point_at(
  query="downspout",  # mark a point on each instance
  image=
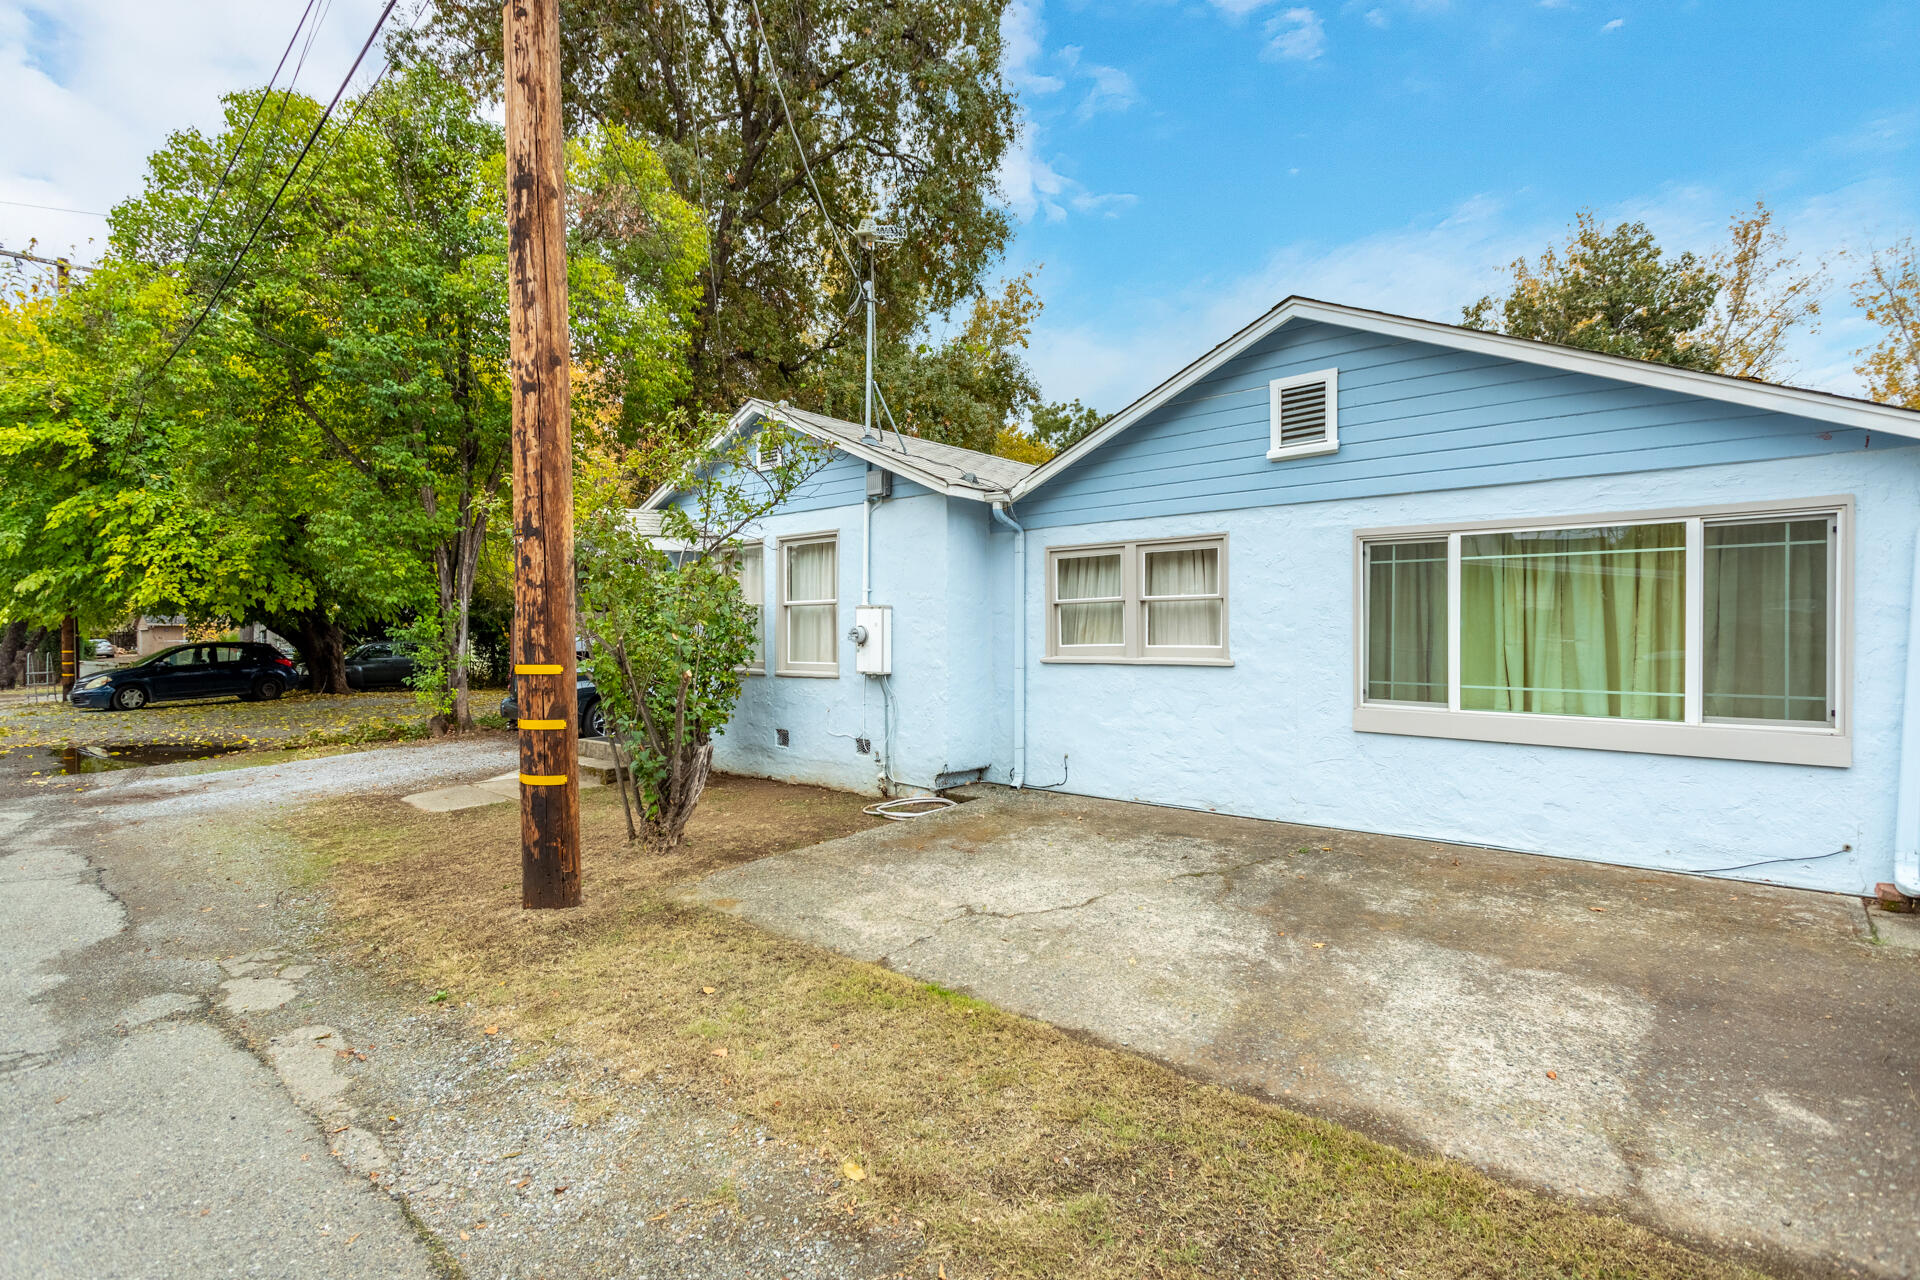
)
(1906, 821)
(1019, 643)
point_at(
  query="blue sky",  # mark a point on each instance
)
(1185, 165)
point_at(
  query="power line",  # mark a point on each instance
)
(773, 70)
(46, 262)
(240, 144)
(233, 266)
(53, 208)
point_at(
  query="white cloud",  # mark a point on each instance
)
(1613, 26)
(91, 87)
(1029, 181)
(1376, 17)
(1298, 35)
(1431, 268)
(1239, 8)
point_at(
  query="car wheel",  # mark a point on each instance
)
(131, 698)
(269, 688)
(593, 722)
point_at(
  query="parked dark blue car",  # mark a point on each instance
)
(189, 671)
(593, 722)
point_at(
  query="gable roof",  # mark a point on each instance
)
(1848, 411)
(943, 468)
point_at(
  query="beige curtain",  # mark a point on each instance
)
(812, 570)
(750, 568)
(1585, 622)
(1766, 621)
(1407, 621)
(1186, 623)
(1087, 578)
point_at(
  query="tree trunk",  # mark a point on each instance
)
(321, 644)
(680, 796)
(12, 640)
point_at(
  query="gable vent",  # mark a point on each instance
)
(1305, 412)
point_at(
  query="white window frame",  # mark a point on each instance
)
(740, 552)
(1695, 734)
(1277, 452)
(1133, 649)
(783, 663)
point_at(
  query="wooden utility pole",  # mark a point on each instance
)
(543, 584)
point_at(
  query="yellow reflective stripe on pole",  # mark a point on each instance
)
(543, 724)
(543, 779)
(536, 669)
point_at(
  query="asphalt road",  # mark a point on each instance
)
(140, 1136)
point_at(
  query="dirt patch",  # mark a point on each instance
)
(293, 721)
(1018, 1149)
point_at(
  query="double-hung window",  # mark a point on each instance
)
(1714, 632)
(749, 565)
(1163, 601)
(809, 606)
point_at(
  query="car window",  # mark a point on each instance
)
(180, 658)
(227, 655)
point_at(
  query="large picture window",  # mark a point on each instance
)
(1719, 632)
(1162, 601)
(809, 607)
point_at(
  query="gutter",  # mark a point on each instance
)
(1020, 642)
(1906, 822)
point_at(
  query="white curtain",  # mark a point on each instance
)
(1088, 578)
(812, 570)
(1185, 623)
(753, 589)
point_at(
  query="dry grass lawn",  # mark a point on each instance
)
(1023, 1151)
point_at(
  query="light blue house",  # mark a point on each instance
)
(1356, 570)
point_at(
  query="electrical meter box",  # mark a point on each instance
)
(873, 656)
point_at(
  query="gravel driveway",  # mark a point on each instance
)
(195, 1080)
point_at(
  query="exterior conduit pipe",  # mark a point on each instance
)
(1906, 822)
(1000, 513)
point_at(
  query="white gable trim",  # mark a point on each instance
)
(1845, 411)
(879, 455)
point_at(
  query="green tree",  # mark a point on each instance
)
(901, 106)
(362, 352)
(1889, 294)
(1064, 424)
(93, 520)
(1611, 291)
(670, 631)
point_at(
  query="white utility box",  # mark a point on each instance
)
(873, 654)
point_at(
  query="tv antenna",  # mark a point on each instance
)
(871, 234)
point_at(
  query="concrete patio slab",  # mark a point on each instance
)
(1733, 1062)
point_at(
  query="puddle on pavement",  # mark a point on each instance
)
(101, 759)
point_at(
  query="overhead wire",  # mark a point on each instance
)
(240, 143)
(773, 73)
(259, 224)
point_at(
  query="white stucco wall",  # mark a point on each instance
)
(1272, 736)
(932, 567)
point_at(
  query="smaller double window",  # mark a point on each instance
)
(1139, 602)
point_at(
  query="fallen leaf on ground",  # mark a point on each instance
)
(1319, 944)
(721, 1052)
(706, 991)
(1596, 908)
(493, 1031)
(558, 1190)
(1552, 1076)
(853, 1171)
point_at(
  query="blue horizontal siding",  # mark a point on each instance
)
(840, 482)
(1414, 418)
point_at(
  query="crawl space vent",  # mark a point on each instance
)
(780, 737)
(863, 745)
